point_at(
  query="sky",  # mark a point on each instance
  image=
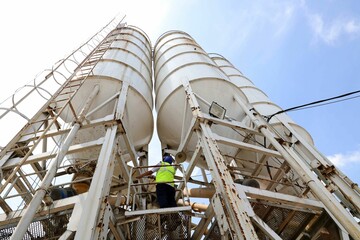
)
(295, 51)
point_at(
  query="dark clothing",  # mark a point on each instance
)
(165, 195)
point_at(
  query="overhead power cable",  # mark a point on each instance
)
(316, 103)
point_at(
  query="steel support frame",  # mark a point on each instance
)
(31, 209)
(204, 223)
(91, 221)
(233, 219)
(334, 208)
(230, 205)
(42, 190)
(238, 222)
(347, 188)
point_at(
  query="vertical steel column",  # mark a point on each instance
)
(226, 195)
(228, 207)
(50, 174)
(89, 225)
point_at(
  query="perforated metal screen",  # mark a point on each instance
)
(285, 222)
(173, 226)
(51, 227)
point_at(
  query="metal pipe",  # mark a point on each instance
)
(197, 207)
(200, 192)
(344, 187)
(46, 182)
(315, 185)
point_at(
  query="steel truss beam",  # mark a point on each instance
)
(295, 162)
(235, 221)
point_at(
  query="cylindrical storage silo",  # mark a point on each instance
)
(125, 62)
(258, 99)
(262, 104)
(179, 59)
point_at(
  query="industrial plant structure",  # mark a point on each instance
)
(83, 132)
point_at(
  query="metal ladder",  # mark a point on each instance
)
(39, 128)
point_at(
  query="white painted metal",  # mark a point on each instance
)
(258, 99)
(55, 164)
(96, 199)
(24, 103)
(288, 129)
(178, 59)
(120, 66)
(333, 206)
(127, 61)
(264, 106)
(113, 130)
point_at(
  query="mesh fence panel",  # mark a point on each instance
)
(275, 218)
(173, 226)
(51, 227)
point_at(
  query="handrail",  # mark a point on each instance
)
(132, 184)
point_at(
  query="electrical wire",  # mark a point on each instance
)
(316, 104)
(323, 104)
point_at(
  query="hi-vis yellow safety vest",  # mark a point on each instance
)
(166, 173)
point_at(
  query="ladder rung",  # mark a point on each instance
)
(21, 148)
(42, 120)
(31, 134)
(86, 68)
(85, 74)
(97, 54)
(79, 79)
(70, 86)
(60, 100)
(64, 93)
(90, 62)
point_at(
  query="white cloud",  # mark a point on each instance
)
(341, 160)
(333, 31)
(283, 20)
(352, 27)
(260, 26)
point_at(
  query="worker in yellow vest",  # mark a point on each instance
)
(165, 174)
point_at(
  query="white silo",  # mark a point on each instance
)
(126, 62)
(258, 99)
(98, 120)
(178, 63)
(265, 107)
(180, 60)
(250, 142)
(100, 123)
(123, 74)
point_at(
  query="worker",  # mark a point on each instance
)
(165, 174)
